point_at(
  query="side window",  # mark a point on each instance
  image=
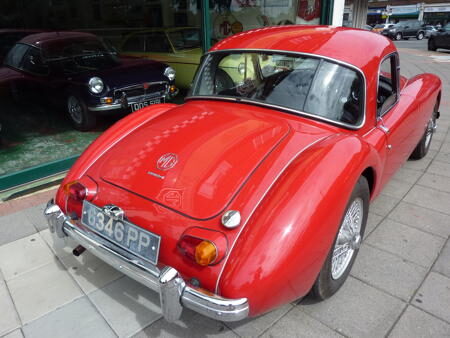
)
(387, 85)
(134, 44)
(33, 62)
(157, 42)
(15, 55)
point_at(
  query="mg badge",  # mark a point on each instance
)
(167, 161)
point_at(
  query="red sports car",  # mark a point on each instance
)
(255, 191)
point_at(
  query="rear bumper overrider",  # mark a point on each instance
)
(174, 292)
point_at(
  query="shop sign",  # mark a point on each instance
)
(404, 10)
(435, 9)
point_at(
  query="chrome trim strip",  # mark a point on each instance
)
(297, 112)
(216, 290)
(397, 69)
(106, 107)
(140, 86)
(173, 290)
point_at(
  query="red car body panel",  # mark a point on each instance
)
(289, 176)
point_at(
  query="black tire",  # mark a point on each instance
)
(398, 36)
(326, 284)
(82, 119)
(431, 45)
(423, 146)
(420, 36)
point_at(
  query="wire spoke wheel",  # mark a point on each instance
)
(75, 109)
(349, 238)
(431, 126)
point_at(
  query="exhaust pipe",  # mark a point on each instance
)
(78, 250)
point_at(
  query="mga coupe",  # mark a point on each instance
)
(77, 70)
(255, 191)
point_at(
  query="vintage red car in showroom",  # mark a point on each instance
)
(256, 190)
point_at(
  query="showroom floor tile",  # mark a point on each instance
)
(407, 242)
(127, 306)
(289, 325)
(9, 319)
(388, 272)
(370, 314)
(24, 255)
(90, 272)
(42, 290)
(190, 324)
(434, 296)
(419, 324)
(424, 219)
(77, 319)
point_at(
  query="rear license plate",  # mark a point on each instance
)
(128, 236)
(140, 105)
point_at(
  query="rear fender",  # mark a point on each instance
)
(282, 247)
(108, 139)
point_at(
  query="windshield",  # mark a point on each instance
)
(185, 39)
(80, 55)
(303, 84)
(380, 26)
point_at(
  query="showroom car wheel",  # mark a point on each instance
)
(420, 36)
(398, 36)
(423, 146)
(81, 118)
(342, 255)
(431, 45)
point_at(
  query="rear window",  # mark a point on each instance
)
(303, 84)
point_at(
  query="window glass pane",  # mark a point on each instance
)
(134, 44)
(300, 83)
(15, 56)
(387, 92)
(157, 42)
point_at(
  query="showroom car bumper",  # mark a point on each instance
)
(173, 290)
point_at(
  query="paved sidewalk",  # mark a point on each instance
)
(399, 285)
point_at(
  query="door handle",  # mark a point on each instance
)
(384, 128)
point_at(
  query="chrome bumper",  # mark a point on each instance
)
(173, 290)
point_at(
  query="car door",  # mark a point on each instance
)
(446, 37)
(33, 84)
(396, 116)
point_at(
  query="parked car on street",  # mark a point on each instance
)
(380, 27)
(78, 71)
(429, 30)
(440, 39)
(256, 184)
(405, 30)
(178, 47)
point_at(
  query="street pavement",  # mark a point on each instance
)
(399, 285)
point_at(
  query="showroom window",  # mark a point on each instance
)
(50, 114)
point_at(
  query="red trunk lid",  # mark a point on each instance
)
(194, 158)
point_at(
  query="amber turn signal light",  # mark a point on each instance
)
(202, 251)
(205, 253)
(75, 190)
(172, 89)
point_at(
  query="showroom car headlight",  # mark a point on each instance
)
(96, 85)
(170, 73)
(392, 30)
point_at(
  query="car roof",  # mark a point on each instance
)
(357, 47)
(40, 39)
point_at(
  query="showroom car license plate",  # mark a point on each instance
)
(140, 105)
(128, 236)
